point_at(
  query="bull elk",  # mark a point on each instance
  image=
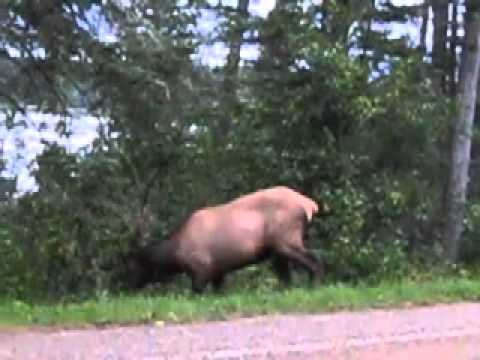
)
(213, 241)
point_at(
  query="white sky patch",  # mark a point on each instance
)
(261, 7)
(249, 52)
(213, 55)
(406, 2)
(206, 22)
(21, 145)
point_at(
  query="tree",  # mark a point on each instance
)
(462, 134)
(439, 50)
(230, 81)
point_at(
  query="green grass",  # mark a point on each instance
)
(177, 308)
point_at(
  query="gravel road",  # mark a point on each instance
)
(437, 332)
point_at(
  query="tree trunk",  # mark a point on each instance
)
(233, 58)
(452, 77)
(231, 69)
(424, 27)
(439, 50)
(462, 133)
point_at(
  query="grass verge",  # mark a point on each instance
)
(176, 308)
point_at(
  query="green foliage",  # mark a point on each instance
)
(181, 308)
(331, 108)
(470, 248)
(15, 276)
(381, 191)
(360, 241)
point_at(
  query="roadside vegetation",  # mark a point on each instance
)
(177, 305)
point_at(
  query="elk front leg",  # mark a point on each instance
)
(305, 260)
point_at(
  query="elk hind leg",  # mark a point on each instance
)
(281, 267)
(218, 282)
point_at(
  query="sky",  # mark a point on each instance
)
(21, 145)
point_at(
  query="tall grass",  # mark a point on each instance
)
(180, 307)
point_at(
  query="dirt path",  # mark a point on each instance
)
(439, 332)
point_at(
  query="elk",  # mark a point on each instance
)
(214, 241)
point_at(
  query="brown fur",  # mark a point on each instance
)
(213, 241)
